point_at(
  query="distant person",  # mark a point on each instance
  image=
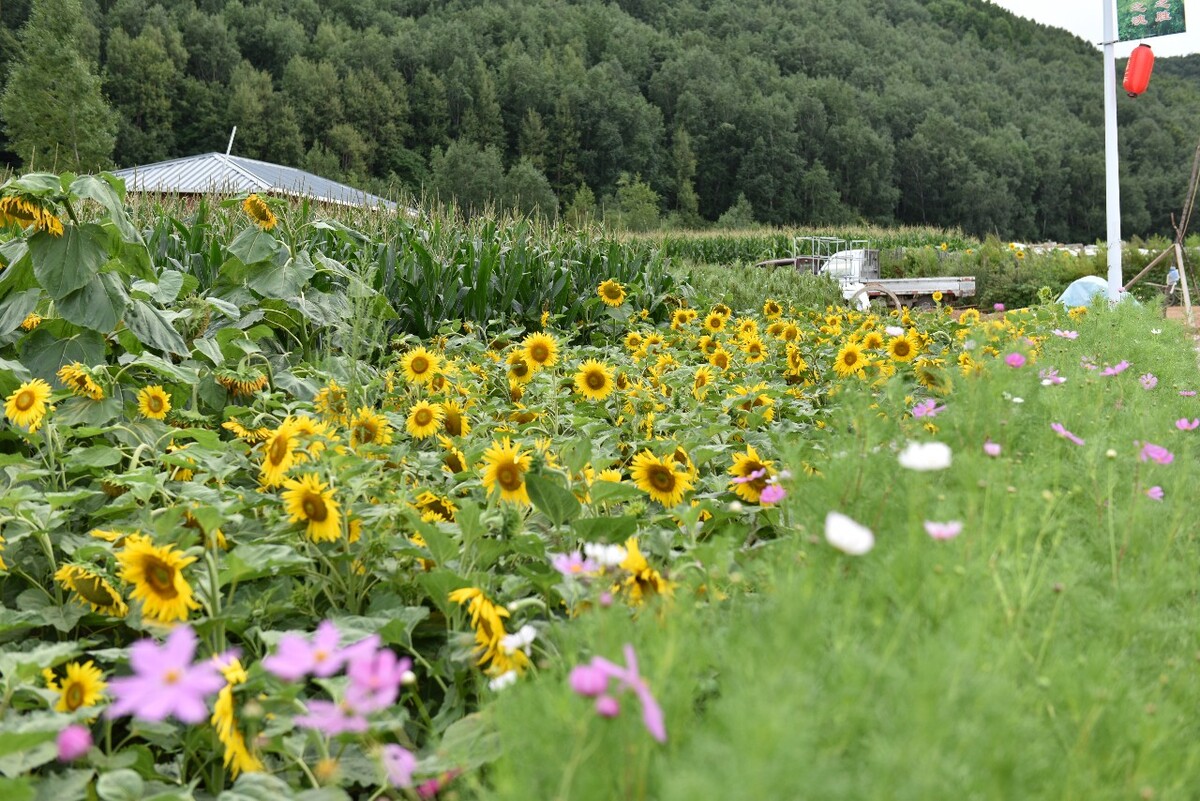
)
(1172, 281)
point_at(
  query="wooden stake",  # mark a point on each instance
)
(1187, 296)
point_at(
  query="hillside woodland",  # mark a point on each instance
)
(946, 112)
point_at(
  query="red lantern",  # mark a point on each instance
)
(1137, 72)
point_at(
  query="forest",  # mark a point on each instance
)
(690, 112)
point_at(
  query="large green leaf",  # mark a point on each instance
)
(282, 279)
(64, 264)
(254, 245)
(50, 347)
(555, 502)
(153, 329)
(95, 188)
(16, 307)
(120, 785)
(255, 561)
(98, 305)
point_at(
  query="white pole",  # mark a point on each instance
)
(1111, 168)
(232, 134)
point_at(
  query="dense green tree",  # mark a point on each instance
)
(141, 78)
(467, 174)
(54, 113)
(526, 190)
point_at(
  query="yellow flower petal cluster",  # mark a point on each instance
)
(25, 212)
(78, 379)
(156, 573)
(487, 619)
(504, 468)
(643, 581)
(660, 478)
(154, 402)
(82, 686)
(260, 212)
(611, 293)
(238, 758)
(308, 500)
(92, 588)
(26, 406)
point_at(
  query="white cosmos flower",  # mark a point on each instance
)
(606, 555)
(847, 535)
(521, 639)
(506, 679)
(925, 456)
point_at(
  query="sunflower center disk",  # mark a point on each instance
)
(73, 696)
(509, 477)
(595, 381)
(279, 450)
(662, 479)
(25, 401)
(161, 579)
(314, 508)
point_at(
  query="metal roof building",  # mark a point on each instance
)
(221, 173)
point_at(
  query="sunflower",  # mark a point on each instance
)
(23, 212)
(754, 349)
(31, 321)
(772, 309)
(260, 212)
(791, 333)
(82, 686)
(242, 382)
(307, 500)
(224, 721)
(746, 465)
(612, 293)
(153, 402)
(594, 380)
(453, 460)
(969, 317)
(520, 371)
(76, 378)
(424, 419)
(540, 350)
(330, 401)
(633, 341)
(643, 580)
(439, 505)
(714, 322)
(722, 310)
(92, 588)
(369, 428)
(251, 435)
(934, 378)
(850, 360)
(902, 348)
(659, 478)
(454, 420)
(26, 406)
(487, 618)
(420, 365)
(279, 454)
(763, 404)
(504, 468)
(872, 341)
(708, 345)
(719, 359)
(156, 573)
(701, 381)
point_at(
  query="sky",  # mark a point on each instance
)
(1085, 18)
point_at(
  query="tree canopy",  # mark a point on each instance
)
(946, 112)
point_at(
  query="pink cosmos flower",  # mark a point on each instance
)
(1051, 377)
(1155, 493)
(165, 682)
(1155, 453)
(375, 680)
(927, 408)
(430, 788)
(73, 742)
(943, 531)
(295, 656)
(399, 764)
(1087, 364)
(998, 307)
(991, 448)
(1058, 332)
(1183, 424)
(772, 493)
(1116, 369)
(593, 680)
(754, 476)
(332, 718)
(1065, 434)
(573, 564)
(1014, 360)
(1187, 393)
(1149, 381)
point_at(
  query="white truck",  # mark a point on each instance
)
(856, 269)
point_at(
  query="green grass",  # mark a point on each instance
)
(1047, 652)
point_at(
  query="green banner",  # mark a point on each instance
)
(1141, 19)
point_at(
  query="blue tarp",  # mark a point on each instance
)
(1084, 290)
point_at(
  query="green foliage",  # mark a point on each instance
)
(52, 107)
(636, 207)
(740, 215)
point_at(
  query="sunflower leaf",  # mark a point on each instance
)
(555, 502)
